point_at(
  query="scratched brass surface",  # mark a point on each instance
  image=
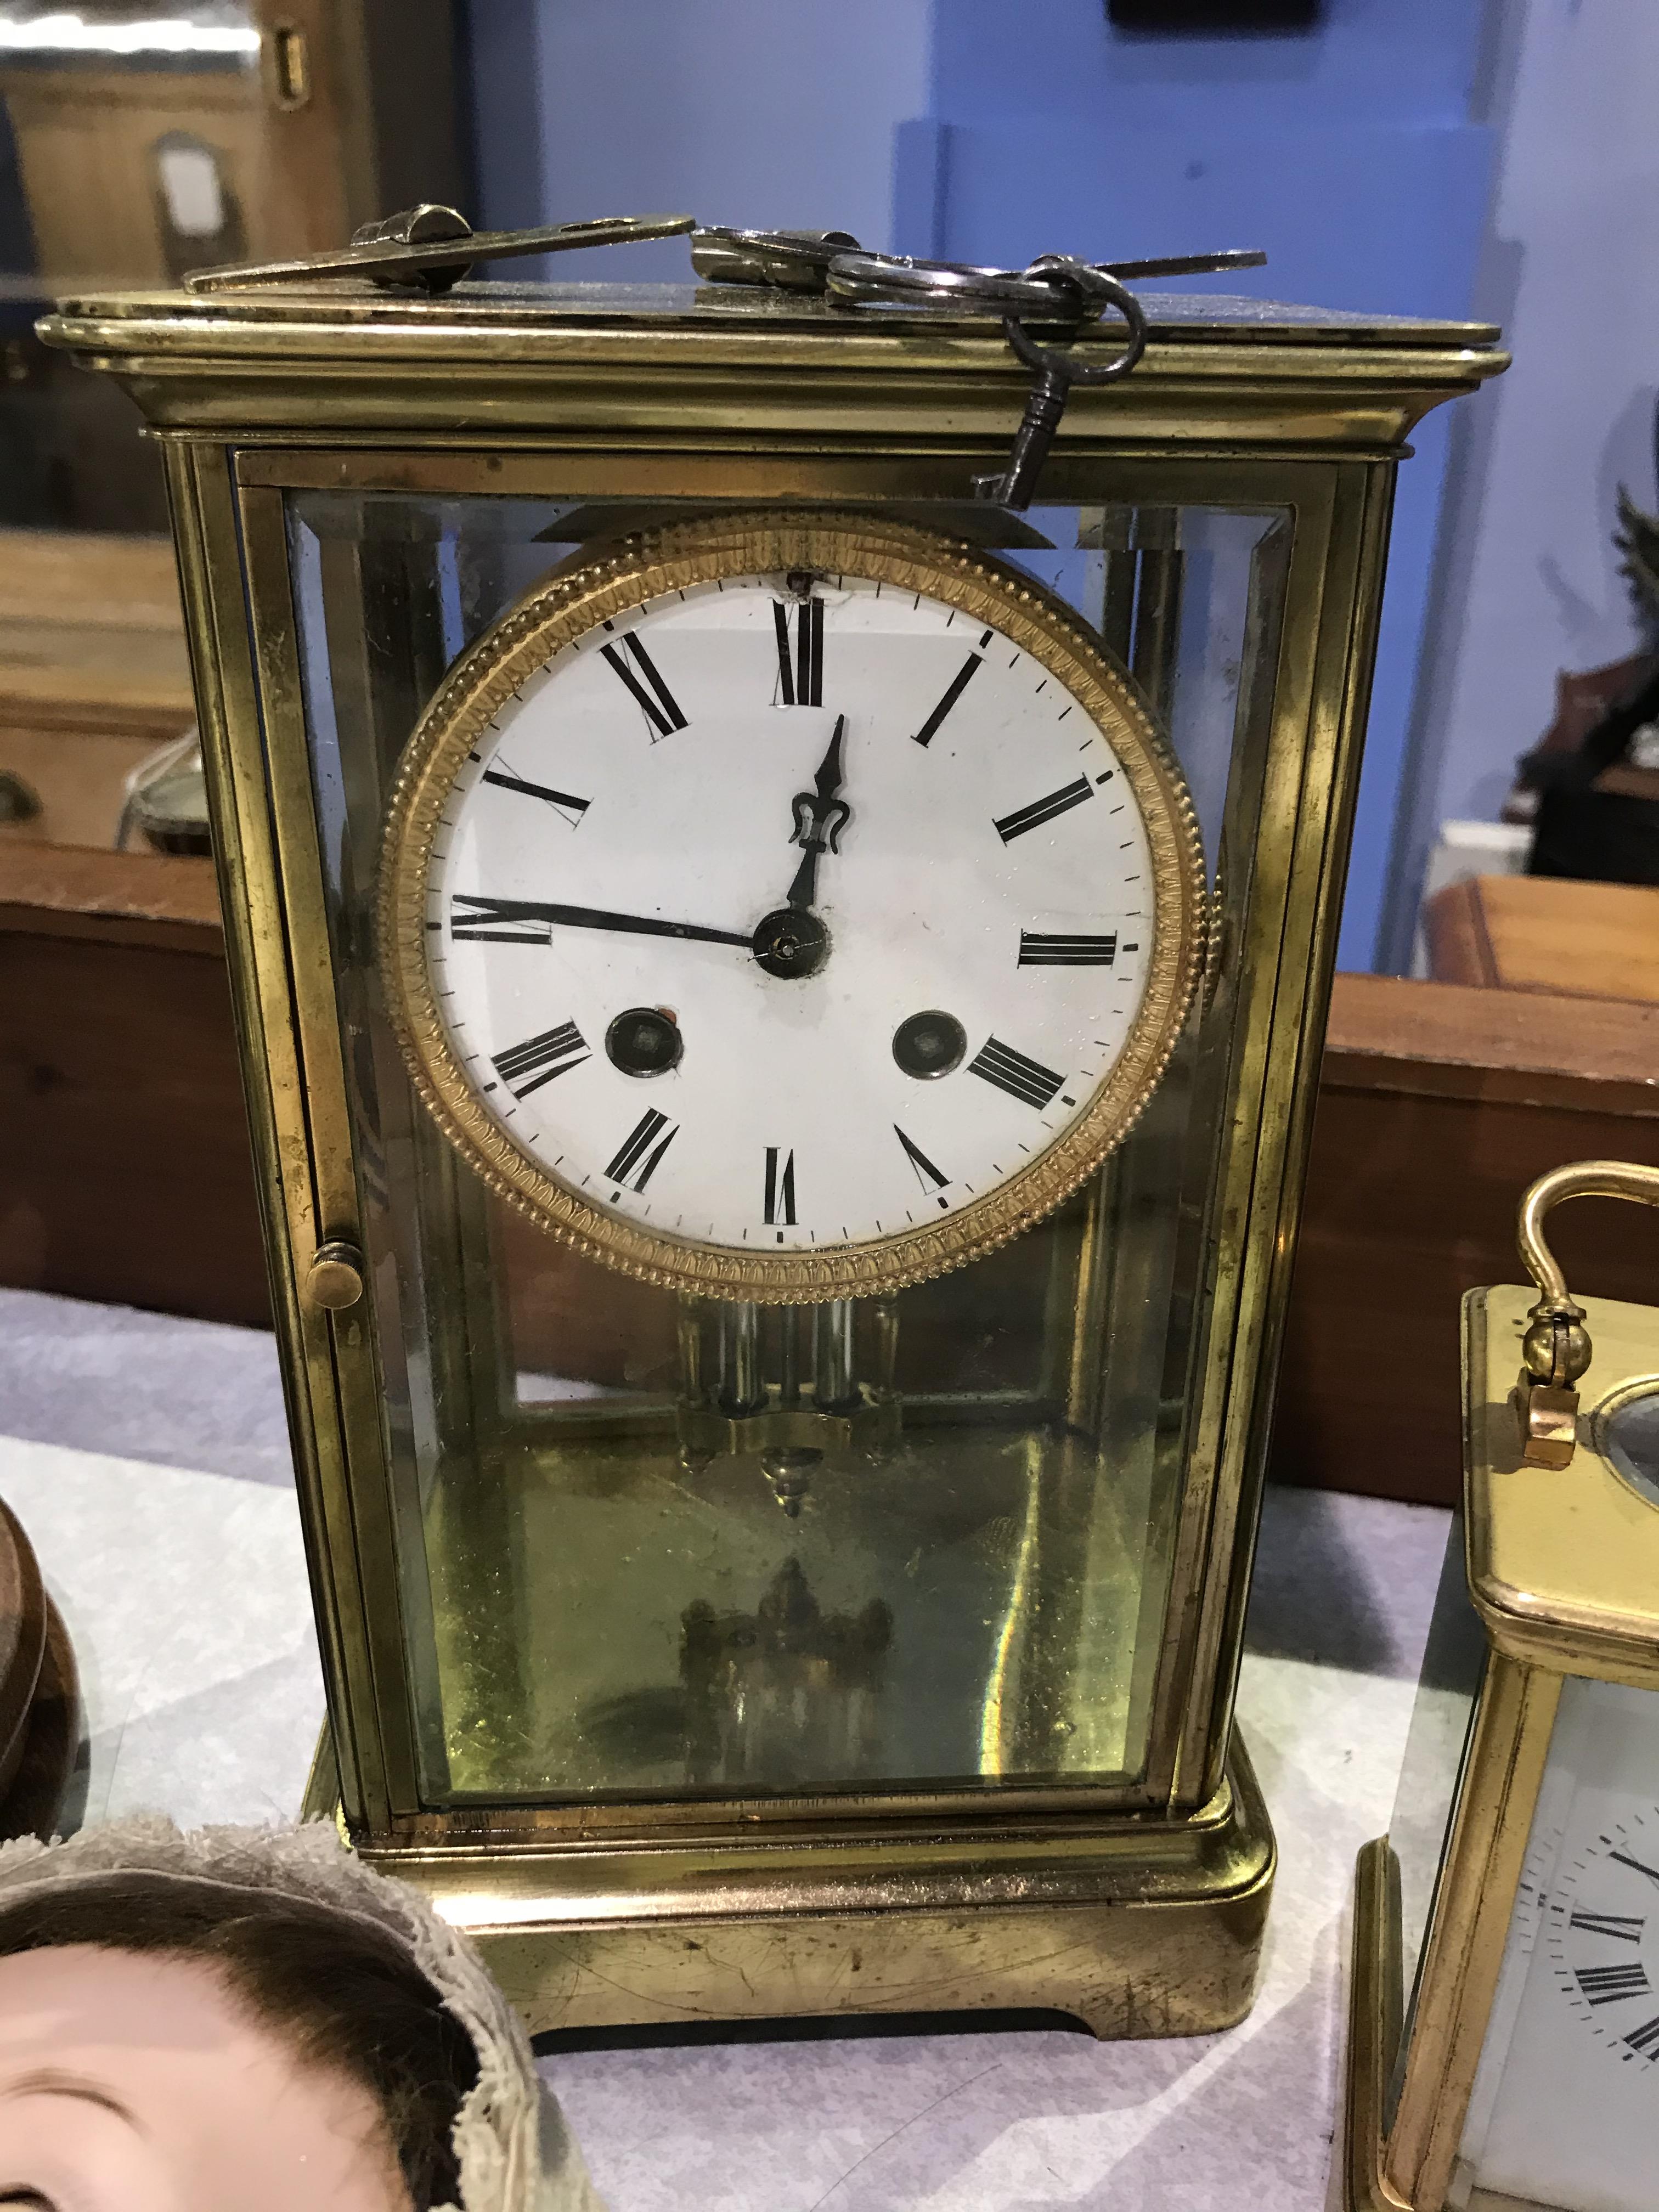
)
(1137, 1928)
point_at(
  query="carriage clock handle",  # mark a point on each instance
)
(1556, 1348)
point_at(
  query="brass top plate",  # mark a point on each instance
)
(1564, 1565)
(1195, 318)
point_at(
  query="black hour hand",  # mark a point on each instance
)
(821, 815)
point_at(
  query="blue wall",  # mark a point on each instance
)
(767, 113)
(1355, 154)
(1358, 154)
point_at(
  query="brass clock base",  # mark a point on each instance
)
(1137, 1927)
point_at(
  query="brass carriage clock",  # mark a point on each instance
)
(1503, 2050)
(781, 995)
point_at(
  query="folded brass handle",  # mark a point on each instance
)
(1556, 1348)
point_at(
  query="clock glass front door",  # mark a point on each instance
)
(672, 1527)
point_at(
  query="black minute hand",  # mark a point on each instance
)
(821, 815)
(487, 917)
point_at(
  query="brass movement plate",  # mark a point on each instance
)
(566, 610)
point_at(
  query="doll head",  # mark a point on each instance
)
(219, 2047)
(253, 2017)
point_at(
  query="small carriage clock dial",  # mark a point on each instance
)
(1603, 1936)
(789, 908)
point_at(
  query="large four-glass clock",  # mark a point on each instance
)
(780, 1053)
(787, 908)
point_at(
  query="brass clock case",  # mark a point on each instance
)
(643, 568)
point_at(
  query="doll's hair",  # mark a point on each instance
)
(340, 1993)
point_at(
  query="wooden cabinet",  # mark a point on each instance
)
(125, 1172)
(1438, 1105)
(93, 675)
(1547, 933)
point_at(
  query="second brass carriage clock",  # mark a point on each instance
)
(780, 996)
(1503, 2048)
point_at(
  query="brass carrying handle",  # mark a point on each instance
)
(1556, 1348)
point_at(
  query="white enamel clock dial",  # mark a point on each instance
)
(791, 920)
(1566, 2107)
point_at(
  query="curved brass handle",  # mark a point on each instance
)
(1556, 1348)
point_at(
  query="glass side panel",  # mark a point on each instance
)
(1562, 2113)
(1436, 1752)
(653, 1545)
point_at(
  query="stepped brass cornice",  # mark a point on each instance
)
(1217, 375)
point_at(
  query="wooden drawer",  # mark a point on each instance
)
(125, 1171)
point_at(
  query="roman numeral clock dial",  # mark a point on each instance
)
(788, 908)
(1603, 1940)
